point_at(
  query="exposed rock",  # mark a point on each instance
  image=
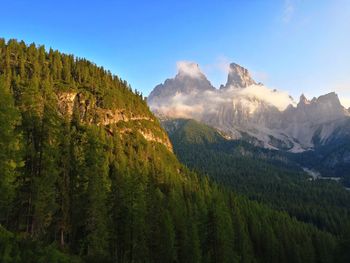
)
(188, 80)
(314, 120)
(303, 101)
(66, 102)
(149, 136)
(114, 116)
(85, 107)
(238, 77)
(246, 113)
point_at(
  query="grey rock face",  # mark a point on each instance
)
(239, 77)
(242, 114)
(318, 118)
(184, 83)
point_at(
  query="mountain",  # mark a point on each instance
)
(252, 112)
(189, 81)
(238, 77)
(87, 174)
(315, 122)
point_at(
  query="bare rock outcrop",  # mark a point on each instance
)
(84, 106)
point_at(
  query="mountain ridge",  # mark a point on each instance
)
(270, 117)
(238, 77)
(83, 181)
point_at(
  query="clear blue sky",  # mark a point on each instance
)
(294, 45)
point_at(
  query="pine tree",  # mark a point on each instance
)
(9, 150)
(96, 196)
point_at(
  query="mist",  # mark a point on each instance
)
(198, 103)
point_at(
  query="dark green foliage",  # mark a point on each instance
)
(263, 175)
(14, 249)
(9, 149)
(331, 160)
(102, 192)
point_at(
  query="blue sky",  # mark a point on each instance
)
(302, 46)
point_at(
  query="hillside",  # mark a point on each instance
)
(87, 174)
(271, 177)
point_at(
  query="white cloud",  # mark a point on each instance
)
(343, 90)
(279, 99)
(197, 105)
(345, 102)
(180, 106)
(189, 68)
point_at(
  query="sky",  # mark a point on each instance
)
(299, 46)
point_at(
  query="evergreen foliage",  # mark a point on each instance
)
(75, 190)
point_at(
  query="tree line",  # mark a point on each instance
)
(76, 191)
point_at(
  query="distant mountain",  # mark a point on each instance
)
(87, 174)
(317, 121)
(246, 110)
(238, 77)
(189, 81)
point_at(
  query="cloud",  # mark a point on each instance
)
(343, 90)
(345, 102)
(180, 106)
(199, 105)
(279, 99)
(189, 68)
(288, 11)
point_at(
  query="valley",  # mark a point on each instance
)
(314, 133)
(175, 131)
(89, 174)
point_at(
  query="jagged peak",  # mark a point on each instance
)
(238, 77)
(303, 100)
(331, 97)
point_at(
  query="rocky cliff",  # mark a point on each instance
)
(238, 77)
(85, 107)
(246, 110)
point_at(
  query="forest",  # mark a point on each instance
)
(267, 176)
(77, 188)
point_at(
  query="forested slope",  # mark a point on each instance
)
(268, 176)
(88, 175)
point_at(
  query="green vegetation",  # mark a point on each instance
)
(270, 177)
(75, 190)
(331, 160)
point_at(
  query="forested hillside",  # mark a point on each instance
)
(268, 176)
(88, 175)
(331, 160)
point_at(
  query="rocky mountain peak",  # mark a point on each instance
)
(330, 98)
(329, 101)
(303, 100)
(238, 77)
(188, 80)
(243, 112)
